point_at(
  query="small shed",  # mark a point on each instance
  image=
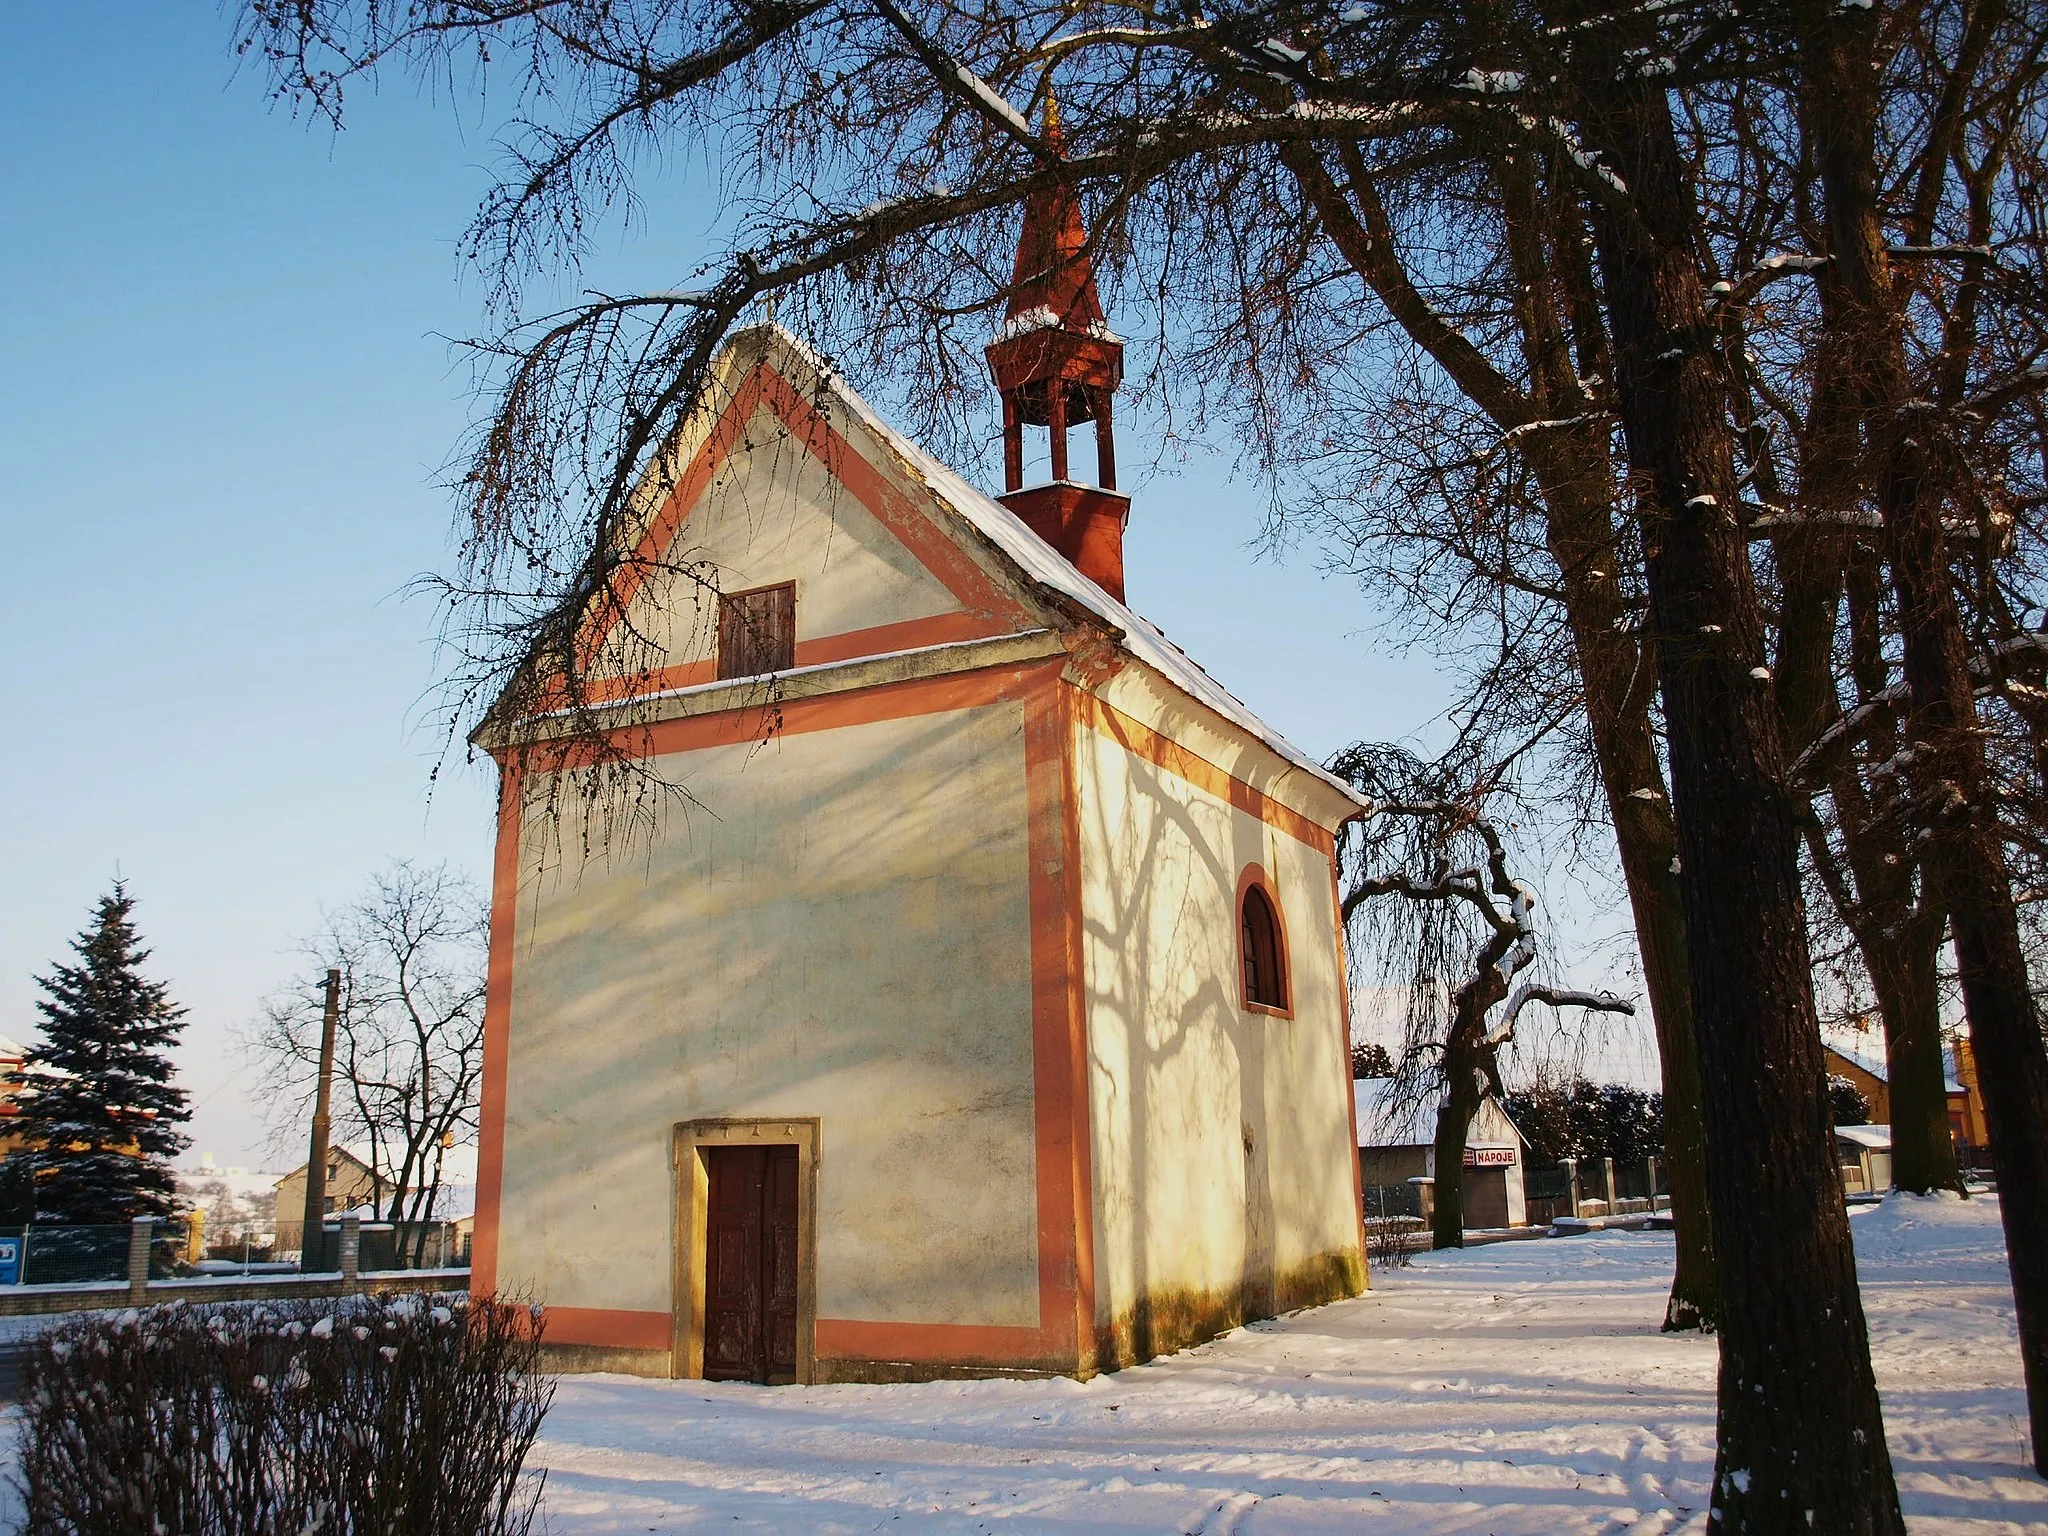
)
(1397, 1151)
(1865, 1153)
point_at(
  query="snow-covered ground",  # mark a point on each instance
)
(1516, 1388)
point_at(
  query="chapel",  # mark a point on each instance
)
(982, 1010)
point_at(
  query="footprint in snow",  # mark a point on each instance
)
(1222, 1518)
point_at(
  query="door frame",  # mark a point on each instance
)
(692, 1203)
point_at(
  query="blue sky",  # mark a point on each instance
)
(223, 402)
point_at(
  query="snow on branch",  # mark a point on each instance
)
(2031, 645)
(956, 77)
(1556, 997)
(1733, 293)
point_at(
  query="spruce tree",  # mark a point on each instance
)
(101, 1112)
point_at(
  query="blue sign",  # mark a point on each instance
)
(10, 1259)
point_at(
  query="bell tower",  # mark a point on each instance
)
(1056, 365)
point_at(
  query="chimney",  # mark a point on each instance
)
(1056, 365)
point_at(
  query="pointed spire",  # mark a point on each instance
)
(1053, 281)
(1057, 364)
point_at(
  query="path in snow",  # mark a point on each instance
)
(1518, 1388)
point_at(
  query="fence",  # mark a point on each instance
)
(53, 1253)
(1547, 1192)
(46, 1256)
(1384, 1200)
(385, 1245)
(1594, 1186)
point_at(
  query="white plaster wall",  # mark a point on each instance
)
(1491, 1127)
(841, 931)
(773, 513)
(1181, 1077)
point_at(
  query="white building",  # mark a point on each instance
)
(991, 1011)
(1397, 1144)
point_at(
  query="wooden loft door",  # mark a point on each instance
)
(750, 1268)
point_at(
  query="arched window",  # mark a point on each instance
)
(1263, 947)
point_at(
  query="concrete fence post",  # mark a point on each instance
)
(351, 1250)
(1571, 1190)
(140, 1230)
(1607, 1181)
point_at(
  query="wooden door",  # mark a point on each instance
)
(778, 1264)
(750, 1264)
(1486, 1197)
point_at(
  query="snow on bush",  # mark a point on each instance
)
(342, 1417)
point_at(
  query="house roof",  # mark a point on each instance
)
(1878, 1138)
(1879, 1068)
(1384, 1120)
(1040, 564)
(1388, 1119)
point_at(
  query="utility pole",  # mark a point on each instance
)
(316, 1155)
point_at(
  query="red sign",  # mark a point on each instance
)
(1489, 1157)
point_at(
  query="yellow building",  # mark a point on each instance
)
(988, 1011)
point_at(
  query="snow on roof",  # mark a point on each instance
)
(1878, 1138)
(1046, 566)
(10, 1051)
(1879, 1068)
(1385, 1122)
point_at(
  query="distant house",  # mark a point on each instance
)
(13, 1058)
(352, 1186)
(1872, 1076)
(350, 1183)
(1865, 1153)
(1397, 1145)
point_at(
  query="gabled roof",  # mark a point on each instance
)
(1385, 1120)
(1880, 1069)
(1038, 563)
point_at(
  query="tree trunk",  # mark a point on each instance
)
(1617, 709)
(1453, 1129)
(1576, 475)
(1465, 1080)
(1892, 928)
(1965, 847)
(1801, 1434)
(1909, 1002)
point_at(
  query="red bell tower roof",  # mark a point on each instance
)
(1053, 284)
(1056, 364)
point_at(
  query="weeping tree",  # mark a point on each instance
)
(1428, 894)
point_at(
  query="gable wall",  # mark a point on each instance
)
(776, 491)
(843, 931)
(1225, 1166)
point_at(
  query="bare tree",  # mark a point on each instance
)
(875, 153)
(1413, 846)
(409, 1041)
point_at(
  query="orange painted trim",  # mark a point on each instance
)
(917, 532)
(1063, 1174)
(1061, 1113)
(607, 1328)
(951, 565)
(1061, 1132)
(908, 635)
(1160, 751)
(752, 723)
(1077, 1025)
(1344, 1042)
(852, 645)
(928, 1343)
(490, 1163)
(1255, 875)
